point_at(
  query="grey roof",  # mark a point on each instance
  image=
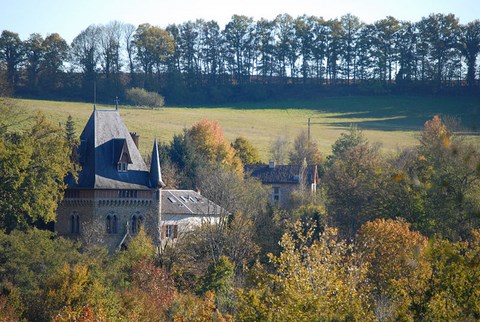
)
(155, 172)
(188, 202)
(281, 173)
(102, 142)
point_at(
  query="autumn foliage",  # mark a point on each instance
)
(384, 239)
(151, 291)
(209, 141)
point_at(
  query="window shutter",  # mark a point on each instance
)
(164, 228)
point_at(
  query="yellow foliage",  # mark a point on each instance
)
(197, 309)
(397, 177)
(314, 280)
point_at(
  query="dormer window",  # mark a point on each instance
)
(122, 167)
(121, 155)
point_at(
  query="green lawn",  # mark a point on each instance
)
(393, 121)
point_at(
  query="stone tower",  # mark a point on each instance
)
(115, 192)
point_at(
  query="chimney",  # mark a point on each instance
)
(271, 165)
(135, 138)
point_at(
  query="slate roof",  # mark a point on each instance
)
(188, 202)
(155, 172)
(104, 137)
(281, 173)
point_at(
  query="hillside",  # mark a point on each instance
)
(391, 120)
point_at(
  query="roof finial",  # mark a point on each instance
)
(116, 103)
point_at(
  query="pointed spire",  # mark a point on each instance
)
(155, 172)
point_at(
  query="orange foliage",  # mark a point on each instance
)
(150, 293)
(391, 249)
(7, 311)
(435, 133)
(209, 140)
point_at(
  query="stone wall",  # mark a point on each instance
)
(93, 218)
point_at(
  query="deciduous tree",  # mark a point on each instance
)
(357, 188)
(27, 260)
(154, 46)
(33, 165)
(245, 150)
(469, 45)
(85, 55)
(56, 52)
(34, 52)
(314, 279)
(11, 53)
(305, 149)
(396, 265)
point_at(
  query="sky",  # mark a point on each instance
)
(69, 17)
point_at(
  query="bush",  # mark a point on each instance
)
(140, 97)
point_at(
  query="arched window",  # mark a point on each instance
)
(134, 224)
(74, 223)
(137, 222)
(109, 224)
(114, 224)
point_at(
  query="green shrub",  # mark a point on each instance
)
(140, 97)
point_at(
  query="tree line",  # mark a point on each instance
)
(197, 61)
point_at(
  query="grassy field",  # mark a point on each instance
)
(394, 121)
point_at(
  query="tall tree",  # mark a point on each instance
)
(154, 46)
(128, 32)
(11, 53)
(188, 47)
(350, 26)
(365, 61)
(469, 45)
(287, 45)
(304, 34)
(438, 33)
(321, 32)
(85, 55)
(357, 187)
(56, 53)
(385, 42)
(110, 45)
(265, 46)
(448, 167)
(395, 281)
(34, 52)
(239, 38)
(334, 48)
(211, 44)
(407, 49)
